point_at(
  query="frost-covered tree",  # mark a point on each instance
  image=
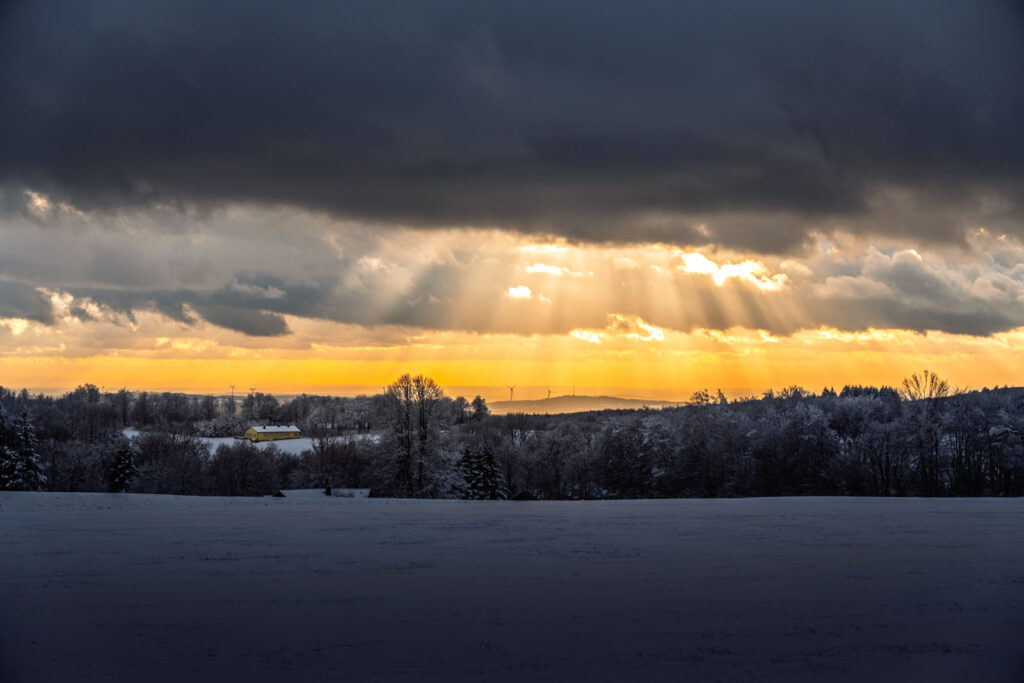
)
(480, 472)
(141, 412)
(20, 469)
(122, 468)
(8, 467)
(169, 463)
(625, 460)
(242, 469)
(411, 405)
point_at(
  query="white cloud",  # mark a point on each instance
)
(38, 203)
(519, 292)
(750, 271)
(555, 270)
(587, 336)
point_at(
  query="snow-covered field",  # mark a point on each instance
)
(294, 446)
(115, 587)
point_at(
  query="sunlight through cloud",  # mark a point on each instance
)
(750, 271)
(555, 270)
(587, 336)
(519, 292)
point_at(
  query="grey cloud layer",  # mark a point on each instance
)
(618, 121)
(237, 269)
(18, 300)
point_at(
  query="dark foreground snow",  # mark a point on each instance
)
(308, 588)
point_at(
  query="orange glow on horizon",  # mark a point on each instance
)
(737, 360)
(650, 320)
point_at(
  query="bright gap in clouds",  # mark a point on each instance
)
(751, 271)
(520, 292)
(639, 315)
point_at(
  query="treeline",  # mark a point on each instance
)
(921, 439)
(88, 413)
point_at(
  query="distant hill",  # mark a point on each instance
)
(574, 404)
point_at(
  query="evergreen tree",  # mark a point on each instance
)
(19, 462)
(480, 472)
(8, 466)
(122, 468)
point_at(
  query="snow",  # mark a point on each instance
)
(121, 587)
(319, 493)
(293, 446)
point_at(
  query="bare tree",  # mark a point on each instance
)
(123, 401)
(480, 409)
(398, 399)
(926, 386)
(323, 440)
(411, 406)
(428, 396)
(925, 391)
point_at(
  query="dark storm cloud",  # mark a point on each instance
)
(255, 303)
(902, 289)
(224, 308)
(255, 323)
(979, 320)
(598, 120)
(18, 300)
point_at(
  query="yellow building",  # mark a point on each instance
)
(272, 432)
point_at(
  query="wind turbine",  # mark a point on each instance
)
(549, 393)
(511, 392)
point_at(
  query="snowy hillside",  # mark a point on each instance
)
(115, 587)
(574, 404)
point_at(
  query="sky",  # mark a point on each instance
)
(644, 197)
